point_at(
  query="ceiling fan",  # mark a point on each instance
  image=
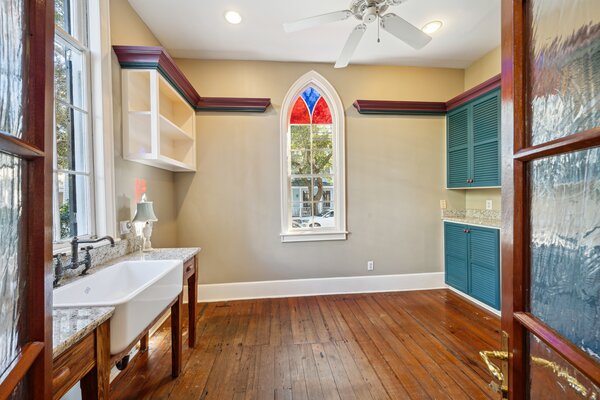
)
(367, 11)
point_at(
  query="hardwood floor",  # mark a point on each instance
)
(403, 345)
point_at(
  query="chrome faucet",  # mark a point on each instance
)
(59, 267)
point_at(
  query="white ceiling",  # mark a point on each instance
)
(197, 29)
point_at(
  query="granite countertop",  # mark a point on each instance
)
(181, 253)
(71, 324)
(485, 218)
(485, 222)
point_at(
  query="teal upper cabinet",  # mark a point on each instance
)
(473, 143)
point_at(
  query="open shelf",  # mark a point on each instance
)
(158, 123)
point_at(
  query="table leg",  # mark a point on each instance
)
(96, 383)
(176, 337)
(192, 301)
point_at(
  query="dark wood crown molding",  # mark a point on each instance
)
(400, 107)
(425, 107)
(155, 57)
(474, 92)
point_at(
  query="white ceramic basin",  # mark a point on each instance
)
(139, 291)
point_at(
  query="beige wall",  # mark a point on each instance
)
(395, 176)
(483, 69)
(480, 71)
(128, 28)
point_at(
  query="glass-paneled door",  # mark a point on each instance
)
(26, 37)
(551, 201)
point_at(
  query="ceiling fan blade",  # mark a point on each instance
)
(350, 46)
(405, 31)
(318, 20)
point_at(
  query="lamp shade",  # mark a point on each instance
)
(144, 212)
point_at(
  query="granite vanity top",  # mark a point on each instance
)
(485, 218)
(181, 253)
(71, 324)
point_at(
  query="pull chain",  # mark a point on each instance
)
(378, 27)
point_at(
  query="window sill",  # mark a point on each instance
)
(65, 247)
(291, 237)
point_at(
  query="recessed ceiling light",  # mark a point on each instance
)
(233, 17)
(432, 27)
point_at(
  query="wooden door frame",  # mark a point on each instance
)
(35, 359)
(515, 234)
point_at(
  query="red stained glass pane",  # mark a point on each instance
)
(321, 114)
(300, 113)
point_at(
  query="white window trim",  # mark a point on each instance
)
(104, 220)
(288, 234)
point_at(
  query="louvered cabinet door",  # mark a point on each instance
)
(458, 123)
(486, 140)
(484, 265)
(456, 256)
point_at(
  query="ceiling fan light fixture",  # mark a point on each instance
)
(432, 27)
(233, 17)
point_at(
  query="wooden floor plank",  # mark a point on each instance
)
(404, 345)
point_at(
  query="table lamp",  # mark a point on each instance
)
(145, 215)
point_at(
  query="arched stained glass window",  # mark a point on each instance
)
(313, 191)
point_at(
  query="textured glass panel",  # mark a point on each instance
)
(552, 377)
(564, 68)
(12, 270)
(12, 74)
(565, 247)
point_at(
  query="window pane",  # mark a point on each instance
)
(69, 15)
(300, 162)
(300, 190)
(322, 188)
(69, 76)
(73, 204)
(300, 137)
(322, 161)
(71, 139)
(301, 215)
(324, 214)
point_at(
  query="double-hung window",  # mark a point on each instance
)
(73, 162)
(312, 162)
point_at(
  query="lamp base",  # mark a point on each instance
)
(146, 234)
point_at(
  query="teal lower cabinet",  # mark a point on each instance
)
(472, 258)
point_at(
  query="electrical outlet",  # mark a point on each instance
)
(443, 204)
(125, 227)
(369, 265)
(489, 205)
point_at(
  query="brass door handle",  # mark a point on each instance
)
(502, 385)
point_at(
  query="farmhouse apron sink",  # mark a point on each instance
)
(138, 290)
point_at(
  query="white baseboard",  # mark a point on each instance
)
(319, 286)
(473, 300)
